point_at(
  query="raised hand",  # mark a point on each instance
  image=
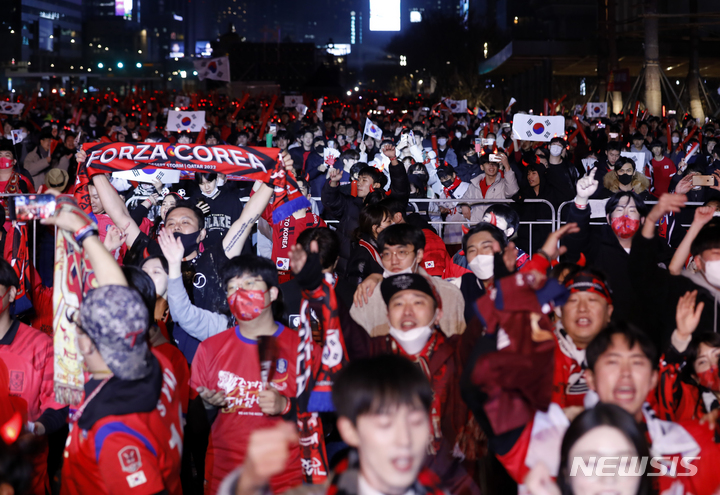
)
(687, 315)
(550, 248)
(586, 187)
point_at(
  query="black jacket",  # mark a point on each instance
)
(604, 252)
(340, 205)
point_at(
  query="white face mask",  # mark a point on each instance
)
(458, 135)
(412, 341)
(675, 139)
(712, 273)
(442, 141)
(221, 182)
(483, 266)
(211, 194)
(410, 269)
(555, 150)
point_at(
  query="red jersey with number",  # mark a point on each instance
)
(137, 453)
(182, 371)
(230, 362)
(285, 234)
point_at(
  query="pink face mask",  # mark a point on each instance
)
(6, 162)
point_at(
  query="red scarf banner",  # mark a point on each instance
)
(238, 162)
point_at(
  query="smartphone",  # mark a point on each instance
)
(273, 128)
(494, 157)
(32, 207)
(505, 125)
(478, 145)
(703, 180)
(600, 125)
(488, 142)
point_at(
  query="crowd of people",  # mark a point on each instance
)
(402, 331)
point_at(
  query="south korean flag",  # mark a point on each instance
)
(596, 109)
(538, 127)
(292, 101)
(185, 121)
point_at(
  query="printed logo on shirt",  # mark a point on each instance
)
(294, 321)
(282, 263)
(136, 479)
(429, 264)
(199, 281)
(240, 394)
(17, 381)
(130, 459)
(282, 366)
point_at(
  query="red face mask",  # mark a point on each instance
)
(246, 305)
(6, 162)
(710, 379)
(625, 227)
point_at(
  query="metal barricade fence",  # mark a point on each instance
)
(551, 221)
(561, 222)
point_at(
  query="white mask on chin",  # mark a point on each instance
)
(210, 195)
(412, 341)
(483, 266)
(712, 272)
(410, 269)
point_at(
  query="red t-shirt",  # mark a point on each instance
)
(285, 234)
(663, 172)
(137, 453)
(484, 187)
(230, 362)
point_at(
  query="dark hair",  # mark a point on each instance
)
(163, 261)
(494, 231)
(615, 198)
(45, 133)
(614, 146)
(190, 206)
(209, 177)
(400, 235)
(143, 285)
(711, 339)
(707, 238)
(8, 277)
(379, 384)
(602, 415)
(370, 215)
(622, 161)
(558, 269)
(328, 244)
(16, 461)
(256, 266)
(355, 169)
(395, 205)
(632, 335)
(6, 145)
(371, 172)
(349, 154)
(511, 216)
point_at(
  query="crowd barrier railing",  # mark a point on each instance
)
(602, 221)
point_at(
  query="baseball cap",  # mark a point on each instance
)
(406, 281)
(116, 319)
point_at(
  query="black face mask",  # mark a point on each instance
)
(189, 242)
(472, 159)
(447, 182)
(625, 179)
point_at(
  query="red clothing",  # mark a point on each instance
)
(569, 385)
(132, 453)
(285, 234)
(182, 372)
(28, 355)
(230, 362)
(662, 173)
(436, 259)
(484, 186)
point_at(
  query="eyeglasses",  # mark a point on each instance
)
(401, 254)
(247, 284)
